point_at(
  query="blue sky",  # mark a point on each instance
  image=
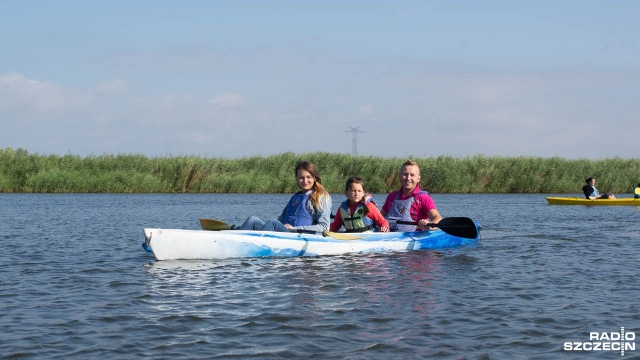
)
(241, 78)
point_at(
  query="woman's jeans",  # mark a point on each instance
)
(254, 223)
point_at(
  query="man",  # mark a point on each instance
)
(410, 203)
(592, 193)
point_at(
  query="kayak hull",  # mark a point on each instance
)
(177, 244)
(596, 202)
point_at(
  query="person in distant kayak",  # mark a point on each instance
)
(590, 191)
(309, 209)
(636, 192)
(359, 212)
(410, 203)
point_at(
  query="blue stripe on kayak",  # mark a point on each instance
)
(411, 244)
(304, 248)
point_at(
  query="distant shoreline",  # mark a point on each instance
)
(24, 172)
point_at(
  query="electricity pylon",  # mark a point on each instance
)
(354, 144)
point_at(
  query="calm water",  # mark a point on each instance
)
(76, 284)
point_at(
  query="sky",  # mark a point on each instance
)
(243, 78)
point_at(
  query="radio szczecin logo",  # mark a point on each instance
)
(606, 341)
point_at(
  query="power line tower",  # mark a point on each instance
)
(355, 132)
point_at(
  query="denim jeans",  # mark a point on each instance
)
(254, 223)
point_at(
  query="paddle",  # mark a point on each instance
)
(456, 226)
(214, 225)
(217, 225)
(340, 236)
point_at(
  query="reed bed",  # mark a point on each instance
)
(24, 172)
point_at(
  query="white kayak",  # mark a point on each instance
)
(174, 244)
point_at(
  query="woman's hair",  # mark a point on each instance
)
(357, 180)
(317, 191)
(588, 180)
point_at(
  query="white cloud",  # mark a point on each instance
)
(18, 93)
(366, 110)
(509, 114)
(111, 87)
(491, 92)
(229, 100)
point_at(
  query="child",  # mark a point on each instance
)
(358, 213)
(637, 192)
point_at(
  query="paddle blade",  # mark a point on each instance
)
(340, 236)
(214, 225)
(456, 226)
(459, 226)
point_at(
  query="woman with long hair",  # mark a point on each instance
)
(309, 209)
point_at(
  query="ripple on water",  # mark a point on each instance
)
(76, 286)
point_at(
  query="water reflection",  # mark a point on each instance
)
(314, 285)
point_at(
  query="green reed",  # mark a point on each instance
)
(21, 171)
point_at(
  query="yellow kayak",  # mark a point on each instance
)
(589, 202)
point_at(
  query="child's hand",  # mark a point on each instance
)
(384, 229)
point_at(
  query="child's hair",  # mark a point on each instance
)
(357, 180)
(354, 180)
